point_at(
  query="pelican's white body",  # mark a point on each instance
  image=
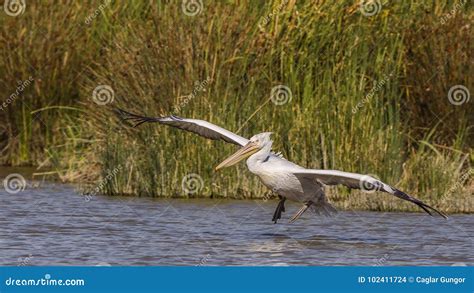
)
(278, 175)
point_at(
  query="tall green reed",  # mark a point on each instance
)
(356, 92)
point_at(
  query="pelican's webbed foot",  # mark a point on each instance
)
(279, 209)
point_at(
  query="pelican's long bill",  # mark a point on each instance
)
(246, 151)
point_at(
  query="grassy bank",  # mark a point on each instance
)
(363, 93)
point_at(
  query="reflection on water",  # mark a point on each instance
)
(54, 225)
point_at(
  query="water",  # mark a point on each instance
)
(55, 225)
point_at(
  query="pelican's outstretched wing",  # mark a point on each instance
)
(364, 182)
(201, 127)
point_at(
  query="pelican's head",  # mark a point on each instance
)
(256, 143)
(262, 139)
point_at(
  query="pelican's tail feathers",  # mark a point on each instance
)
(323, 208)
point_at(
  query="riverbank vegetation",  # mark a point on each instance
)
(380, 89)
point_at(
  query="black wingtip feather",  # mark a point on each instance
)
(419, 203)
(135, 119)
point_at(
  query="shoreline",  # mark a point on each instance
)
(354, 201)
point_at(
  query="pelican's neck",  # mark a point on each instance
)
(259, 157)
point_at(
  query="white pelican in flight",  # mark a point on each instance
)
(287, 179)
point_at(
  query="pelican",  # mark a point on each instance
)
(287, 179)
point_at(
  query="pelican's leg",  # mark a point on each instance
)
(279, 209)
(301, 211)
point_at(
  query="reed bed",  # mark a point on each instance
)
(361, 93)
